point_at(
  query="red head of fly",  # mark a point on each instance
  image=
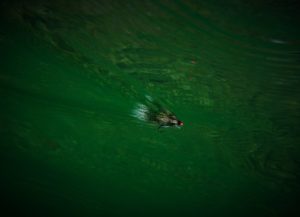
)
(180, 123)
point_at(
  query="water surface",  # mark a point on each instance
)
(71, 73)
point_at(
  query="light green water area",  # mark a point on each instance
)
(72, 71)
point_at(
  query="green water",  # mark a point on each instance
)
(72, 71)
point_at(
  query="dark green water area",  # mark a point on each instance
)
(72, 71)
